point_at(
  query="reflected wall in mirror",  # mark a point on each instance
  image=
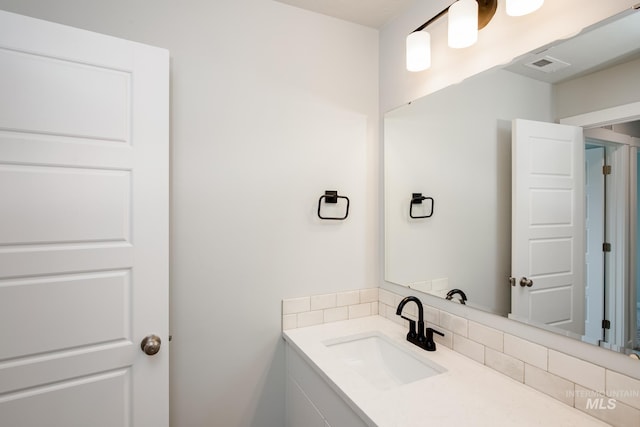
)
(455, 146)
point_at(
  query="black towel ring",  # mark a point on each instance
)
(332, 197)
(416, 199)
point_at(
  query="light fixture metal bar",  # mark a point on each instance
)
(434, 19)
(486, 10)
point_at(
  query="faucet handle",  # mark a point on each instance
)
(412, 327)
(430, 332)
(430, 345)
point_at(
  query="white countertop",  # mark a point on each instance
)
(468, 393)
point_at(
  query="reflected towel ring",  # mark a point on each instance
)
(331, 196)
(416, 199)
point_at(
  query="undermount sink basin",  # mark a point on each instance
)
(380, 361)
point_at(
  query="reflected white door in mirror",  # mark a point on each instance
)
(568, 201)
(547, 225)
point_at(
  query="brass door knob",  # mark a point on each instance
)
(151, 344)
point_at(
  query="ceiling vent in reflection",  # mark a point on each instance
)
(547, 64)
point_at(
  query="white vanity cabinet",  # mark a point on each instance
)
(310, 401)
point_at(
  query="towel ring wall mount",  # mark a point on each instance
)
(331, 197)
(417, 199)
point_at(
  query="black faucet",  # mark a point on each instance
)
(452, 292)
(414, 336)
(430, 345)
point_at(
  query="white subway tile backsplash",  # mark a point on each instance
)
(359, 310)
(382, 309)
(623, 388)
(336, 314)
(289, 321)
(389, 312)
(387, 297)
(348, 298)
(296, 305)
(446, 340)
(310, 318)
(375, 306)
(565, 378)
(469, 348)
(607, 409)
(528, 352)
(508, 365)
(317, 309)
(549, 384)
(369, 295)
(320, 302)
(487, 336)
(431, 315)
(580, 372)
(454, 323)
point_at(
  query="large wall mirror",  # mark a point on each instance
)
(456, 188)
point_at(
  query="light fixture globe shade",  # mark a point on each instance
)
(418, 51)
(463, 23)
(522, 7)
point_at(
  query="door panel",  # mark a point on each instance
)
(52, 301)
(548, 224)
(84, 229)
(94, 206)
(89, 101)
(73, 403)
(560, 212)
(550, 305)
(549, 257)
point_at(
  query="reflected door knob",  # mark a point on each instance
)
(526, 282)
(150, 344)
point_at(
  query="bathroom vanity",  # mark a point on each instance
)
(363, 372)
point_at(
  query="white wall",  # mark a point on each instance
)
(270, 106)
(608, 88)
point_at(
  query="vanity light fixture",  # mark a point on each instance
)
(463, 23)
(522, 7)
(418, 51)
(466, 17)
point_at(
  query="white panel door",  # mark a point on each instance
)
(83, 227)
(548, 224)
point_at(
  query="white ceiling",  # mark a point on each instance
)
(602, 47)
(371, 13)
